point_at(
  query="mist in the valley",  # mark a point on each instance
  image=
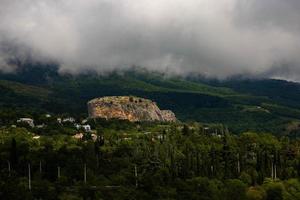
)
(211, 37)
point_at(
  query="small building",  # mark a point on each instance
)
(87, 128)
(40, 126)
(78, 136)
(59, 120)
(84, 121)
(47, 115)
(81, 136)
(28, 121)
(69, 119)
(94, 137)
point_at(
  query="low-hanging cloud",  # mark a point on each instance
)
(212, 37)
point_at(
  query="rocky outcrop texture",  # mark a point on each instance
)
(128, 108)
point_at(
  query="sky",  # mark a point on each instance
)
(215, 38)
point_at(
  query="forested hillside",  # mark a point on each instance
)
(241, 105)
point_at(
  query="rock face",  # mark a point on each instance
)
(128, 108)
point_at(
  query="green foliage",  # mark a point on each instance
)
(256, 193)
(242, 105)
(235, 190)
(275, 190)
(149, 161)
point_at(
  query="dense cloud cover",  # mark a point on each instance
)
(212, 37)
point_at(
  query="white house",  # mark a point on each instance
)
(28, 121)
(69, 119)
(87, 128)
(59, 120)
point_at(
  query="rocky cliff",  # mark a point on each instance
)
(128, 108)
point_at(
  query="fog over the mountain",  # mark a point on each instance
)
(212, 37)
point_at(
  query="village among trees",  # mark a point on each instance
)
(66, 158)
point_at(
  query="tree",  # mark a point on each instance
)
(274, 190)
(256, 193)
(13, 153)
(235, 189)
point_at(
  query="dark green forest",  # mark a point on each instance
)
(147, 161)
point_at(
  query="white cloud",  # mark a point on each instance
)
(213, 37)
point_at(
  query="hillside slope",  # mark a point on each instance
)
(234, 103)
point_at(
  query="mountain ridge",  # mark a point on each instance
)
(234, 103)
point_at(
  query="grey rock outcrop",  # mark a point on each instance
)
(128, 108)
